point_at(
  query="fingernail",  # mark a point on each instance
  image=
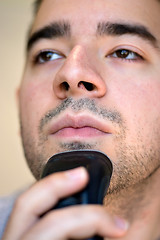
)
(77, 173)
(121, 223)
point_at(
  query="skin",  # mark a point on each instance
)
(125, 99)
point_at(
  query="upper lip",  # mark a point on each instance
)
(78, 121)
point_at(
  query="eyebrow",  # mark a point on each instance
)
(54, 30)
(63, 29)
(118, 29)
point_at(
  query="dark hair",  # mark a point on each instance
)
(37, 4)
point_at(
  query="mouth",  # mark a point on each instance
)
(78, 126)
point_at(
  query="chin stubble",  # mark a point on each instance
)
(36, 154)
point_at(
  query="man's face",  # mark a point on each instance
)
(92, 81)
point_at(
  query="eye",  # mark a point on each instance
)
(47, 56)
(126, 55)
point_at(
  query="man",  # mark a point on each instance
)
(92, 81)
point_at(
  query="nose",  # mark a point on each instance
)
(78, 77)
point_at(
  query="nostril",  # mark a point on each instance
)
(89, 86)
(64, 86)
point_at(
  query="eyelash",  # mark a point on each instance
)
(39, 58)
(126, 53)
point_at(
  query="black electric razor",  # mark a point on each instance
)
(99, 168)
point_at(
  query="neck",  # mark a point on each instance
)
(140, 205)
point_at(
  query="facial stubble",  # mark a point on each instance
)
(132, 163)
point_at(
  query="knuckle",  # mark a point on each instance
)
(97, 214)
(97, 211)
(91, 212)
(49, 183)
(53, 180)
(20, 202)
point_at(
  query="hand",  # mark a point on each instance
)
(76, 222)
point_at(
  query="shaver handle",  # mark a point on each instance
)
(99, 168)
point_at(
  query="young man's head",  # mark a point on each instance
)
(92, 81)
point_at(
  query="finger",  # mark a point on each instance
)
(42, 196)
(77, 223)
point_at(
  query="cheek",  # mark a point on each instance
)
(139, 103)
(37, 88)
(35, 100)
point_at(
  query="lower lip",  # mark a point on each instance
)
(79, 132)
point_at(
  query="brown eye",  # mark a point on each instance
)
(122, 53)
(47, 56)
(126, 54)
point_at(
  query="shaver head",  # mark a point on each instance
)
(98, 166)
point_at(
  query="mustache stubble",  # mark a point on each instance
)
(78, 105)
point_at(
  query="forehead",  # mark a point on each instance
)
(84, 15)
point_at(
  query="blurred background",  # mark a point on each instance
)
(15, 18)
